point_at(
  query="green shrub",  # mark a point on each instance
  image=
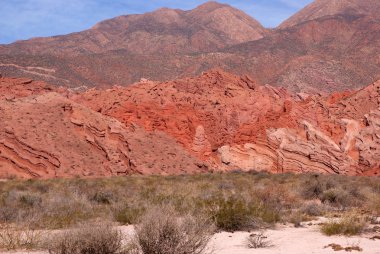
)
(350, 224)
(233, 214)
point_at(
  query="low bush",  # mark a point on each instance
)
(233, 214)
(163, 230)
(128, 214)
(12, 238)
(312, 209)
(90, 239)
(350, 224)
(337, 197)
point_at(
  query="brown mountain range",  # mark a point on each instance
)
(328, 46)
(209, 27)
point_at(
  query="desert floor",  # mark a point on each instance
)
(284, 239)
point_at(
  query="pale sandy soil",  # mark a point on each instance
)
(285, 239)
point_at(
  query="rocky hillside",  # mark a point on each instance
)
(213, 122)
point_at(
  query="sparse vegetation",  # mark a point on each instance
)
(350, 224)
(233, 201)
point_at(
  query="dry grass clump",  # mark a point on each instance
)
(350, 224)
(12, 238)
(127, 215)
(89, 239)
(338, 247)
(259, 240)
(163, 230)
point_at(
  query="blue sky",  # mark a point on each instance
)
(24, 19)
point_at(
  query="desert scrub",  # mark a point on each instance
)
(13, 238)
(163, 230)
(313, 209)
(256, 197)
(88, 239)
(128, 214)
(233, 214)
(352, 223)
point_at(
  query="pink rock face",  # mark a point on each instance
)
(232, 123)
(214, 122)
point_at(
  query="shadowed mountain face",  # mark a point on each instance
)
(328, 46)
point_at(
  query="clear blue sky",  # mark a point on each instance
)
(23, 19)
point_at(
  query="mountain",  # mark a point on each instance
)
(213, 122)
(208, 27)
(329, 46)
(325, 8)
(333, 53)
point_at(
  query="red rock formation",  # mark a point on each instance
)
(217, 121)
(233, 123)
(47, 136)
(11, 88)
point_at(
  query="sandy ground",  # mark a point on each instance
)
(285, 239)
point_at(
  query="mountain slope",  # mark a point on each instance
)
(323, 8)
(208, 27)
(325, 53)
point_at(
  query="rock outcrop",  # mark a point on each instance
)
(214, 122)
(48, 135)
(233, 123)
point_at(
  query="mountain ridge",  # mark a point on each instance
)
(325, 54)
(164, 30)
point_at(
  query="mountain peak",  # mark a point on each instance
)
(211, 5)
